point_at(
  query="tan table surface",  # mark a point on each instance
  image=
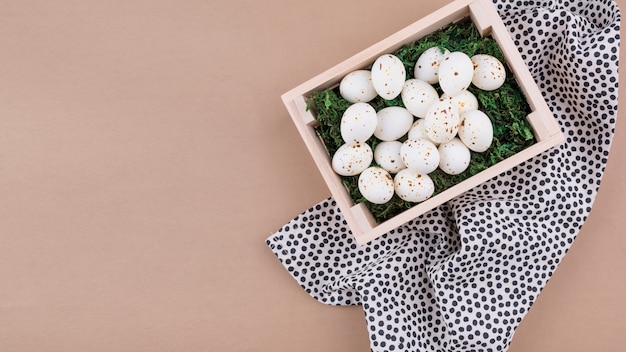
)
(145, 156)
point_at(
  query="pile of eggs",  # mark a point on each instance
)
(440, 130)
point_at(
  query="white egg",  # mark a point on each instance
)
(417, 131)
(466, 100)
(376, 185)
(413, 187)
(352, 159)
(393, 122)
(427, 65)
(358, 123)
(476, 130)
(357, 87)
(420, 155)
(454, 157)
(489, 72)
(442, 121)
(387, 155)
(417, 96)
(388, 76)
(455, 73)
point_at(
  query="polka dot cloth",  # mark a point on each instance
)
(462, 277)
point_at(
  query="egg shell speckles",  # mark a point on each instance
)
(442, 120)
(357, 87)
(466, 100)
(413, 187)
(417, 96)
(476, 130)
(352, 159)
(393, 122)
(455, 73)
(387, 155)
(427, 65)
(358, 123)
(388, 76)
(417, 131)
(454, 157)
(420, 155)
(376, 185)
(489, 72)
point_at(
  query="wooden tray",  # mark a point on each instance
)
(482, 12)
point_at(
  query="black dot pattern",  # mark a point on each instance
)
(462, 277)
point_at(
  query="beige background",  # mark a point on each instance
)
(145, 155)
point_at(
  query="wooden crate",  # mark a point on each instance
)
(483, 14)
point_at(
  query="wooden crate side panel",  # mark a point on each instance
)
(323, 162)
(542, 119)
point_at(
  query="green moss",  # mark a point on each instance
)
(506, 107)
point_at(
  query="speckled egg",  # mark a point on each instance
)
(352, 159)
(420, 155)
(417, 96)
(442, 120)
(476, 130)
(413, 187)
(489, 72)
(376, 185)
(393, 122)
(427, 64)
(387, 155)
(357, 87)
(358, 123)
(454, 157)
(466, 100)
(388, 76)
(455, 73)
(417, 131)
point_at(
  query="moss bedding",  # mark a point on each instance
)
(506, 107)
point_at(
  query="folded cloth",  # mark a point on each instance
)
(462, 276)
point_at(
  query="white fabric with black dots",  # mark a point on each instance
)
(462, 277)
